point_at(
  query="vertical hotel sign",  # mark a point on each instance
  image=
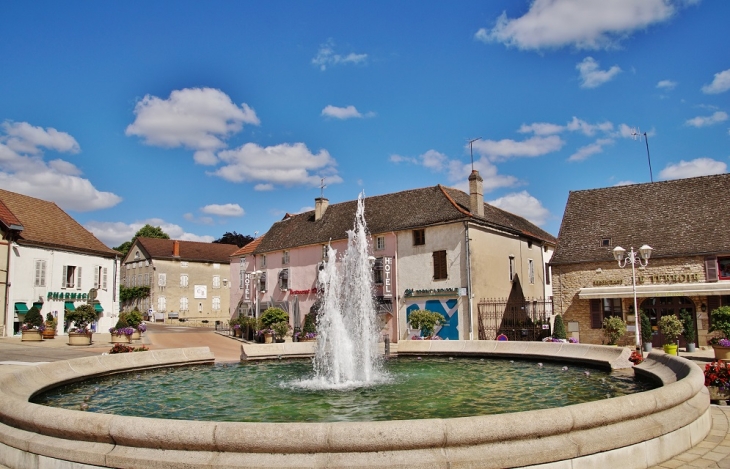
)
(388, 271)
(246, 286)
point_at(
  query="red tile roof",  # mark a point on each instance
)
(189, 250)
(249, 248)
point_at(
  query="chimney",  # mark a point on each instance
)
(176, 248)
(476, 193)
(320, 206)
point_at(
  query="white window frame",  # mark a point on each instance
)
(216, 265)
(285, 258)
(283, 287)
(184, 281)
(104, 278)
(40, 272)
(263, 260)
(263, 283)
(183, 264)
(161, 280)
(216, 281)
(379, 243)
(161, 303)
(183, 303)
(531, 271)
(216, 303)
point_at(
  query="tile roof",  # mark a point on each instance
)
(8, 218)
(676, 218)
(391, 212)
(193, 251)
(45, 224)
(249, 248)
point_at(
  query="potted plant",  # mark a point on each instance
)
(646, 331)
(81, 317)
(234, 326)
(268, 318)
(134, 320)
(248, 327)
(426, 321)
(688, 323)
(613, 329)
(121, 335)
(671, 328)
(720, 322)
(281, 329)
(50, 330)
(559, 328)
(717, 380)
(33, 326)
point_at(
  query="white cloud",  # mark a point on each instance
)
(696, 167)
(263, 187)
(225, 210)
(284, 164)
(507, 148)
(348, 112)
(524, 205)
(624, 183)
(589, 129)
(198, 220)
(326, 56)
(592, 149)
(704, 121)
(541, 128)
(195, 118)
(591, 76)
(23, 170)
(115, 233)
(584, 24)
(720, 83)
(432, 159)
(666, 85)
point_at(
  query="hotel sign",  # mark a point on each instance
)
(387, 277)
(246, 286)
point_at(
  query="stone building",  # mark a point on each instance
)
(188, 280)
(687, 224)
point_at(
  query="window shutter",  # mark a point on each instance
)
(103, 278)
(64, 282)
(161, 280)
(78, 279)
(262, 282)
(96, 276)
(547, 274)
(596, 316)
(711, 269)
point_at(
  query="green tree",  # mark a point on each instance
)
(559, 328)
(147, 231)
(234, 238)
(425, 320)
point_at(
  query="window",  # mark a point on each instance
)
(603, 308)
(378, 271)
(606, 242)
(531, 270)
(262, 282)
(285, 258)
(380, 243)
(216, 303)
(529, 244)
(97, 276)
(200, 307)
(71, 277)
(325, 250)
(723, 268)
(136, 255)
(440, 270)
(511, 268)
(161, 303)
(216, 265)
(104, 276)
(40, 273)
(241, 277)
(547, 274)
(263, 260)
(183, 280)
(419, 237)
(183, 304)
(146, 279)
(184, 264)
(128, 266)
(161, 280)
(146, 263)
(284, 279)
(216, 281)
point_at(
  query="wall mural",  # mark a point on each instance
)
(448, 308)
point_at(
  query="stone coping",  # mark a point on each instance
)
(637, 430)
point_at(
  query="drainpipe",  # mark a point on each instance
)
(468, 279)
(7, 287)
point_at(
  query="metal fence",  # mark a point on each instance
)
(522, 320)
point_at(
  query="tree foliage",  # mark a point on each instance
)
(133, 293)
(234, 238)
(425, 320)
(559, 328)
(147, 231)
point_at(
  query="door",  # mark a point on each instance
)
(655, 308)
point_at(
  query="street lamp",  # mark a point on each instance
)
(256, 274)
(644, 254)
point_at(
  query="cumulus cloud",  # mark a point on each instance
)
(348, 112)
(432, 160)
(694, 168)
(666, 85)
(592, 149)
(326, 56)
(584, 24)
(499, 150)
(575, 125)
(224, 210)
(284, 164)
(591, 76)
(704, 121)
(263, 187)
(720, 83)
(541, 128)
(524, 205)
(194, 118)
(23, 169)
(198, 220)
(115, 233)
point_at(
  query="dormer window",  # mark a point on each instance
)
(136, 255)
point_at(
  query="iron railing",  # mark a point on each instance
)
(517, 320)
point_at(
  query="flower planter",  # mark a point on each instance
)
(268, 338)
(136, 335)
(717, 394)
(49, 333)
(691, 347)
(237, 333)
(307, 340)
(647, 346)
(33, 335)
(79, 338)
(721, 353)
(670, 349)
(120, 339)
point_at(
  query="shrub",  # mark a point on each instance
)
(559, 328)
(281, 329)
(425, 320)
(613, 329)
(33, 318)
(688, 323)
(310, 323)
(82, 316)
(720, 320)
(134, 318)
(273, 315)
(671, 328)
(646, 331)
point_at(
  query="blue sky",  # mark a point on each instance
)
(207, 117)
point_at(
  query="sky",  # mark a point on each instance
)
(211, 117)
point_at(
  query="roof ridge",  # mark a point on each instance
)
(453, 202)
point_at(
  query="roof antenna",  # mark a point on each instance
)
(321, 189)
(636, 133)
(471, 151)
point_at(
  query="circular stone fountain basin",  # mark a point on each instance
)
(633, 431)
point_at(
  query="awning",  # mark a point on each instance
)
(98, 308)
(21, 308)
(69, 305)
(658, 290)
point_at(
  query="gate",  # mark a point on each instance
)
(517, 320)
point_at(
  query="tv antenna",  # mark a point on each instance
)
(321, 188)
(636, 134)
(471, 150)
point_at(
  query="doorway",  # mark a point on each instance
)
(655, 308)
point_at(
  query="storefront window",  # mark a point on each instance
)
(723, 268)
(603, 308)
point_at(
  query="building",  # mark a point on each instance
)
(435, 248)
(187, 280)
(50, 261)
(686, 222)
(241, 301)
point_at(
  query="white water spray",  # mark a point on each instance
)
(348, 329)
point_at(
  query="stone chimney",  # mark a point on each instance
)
(176, 248)
(476, 193)
(320, 206)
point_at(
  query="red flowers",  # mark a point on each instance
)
(636, 358)
(717, 374)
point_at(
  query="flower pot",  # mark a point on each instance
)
(49, 333)
(647, 346)
(237, 332)
(136, 335)
(33, 335)
(691, 347)
(79, 338)
(120, 339)
(670, 349)
(721, 353)
(268, 338)
(717, 394)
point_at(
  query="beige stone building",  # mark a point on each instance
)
(188, 281)
(686, 223)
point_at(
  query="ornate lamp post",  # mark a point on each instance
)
(642, 259)
(256, 276)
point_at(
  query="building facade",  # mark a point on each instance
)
(685, 222)
(55, 264)
(188, 281)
